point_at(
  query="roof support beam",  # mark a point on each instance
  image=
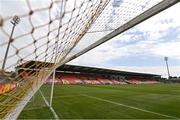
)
(140, 18)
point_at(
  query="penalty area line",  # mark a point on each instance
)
(128, 106)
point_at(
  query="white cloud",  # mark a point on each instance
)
(170, 49)
(160, 70)
(162, 21)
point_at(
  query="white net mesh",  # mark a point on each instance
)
(47, 32)
(113, 17)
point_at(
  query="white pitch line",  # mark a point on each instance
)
(44, 98)
(54, 113)
(52, 110)
(64, 96)
(128, 106)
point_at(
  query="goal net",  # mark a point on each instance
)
(37, 36)
(47, 31)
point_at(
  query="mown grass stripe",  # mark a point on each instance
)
(128, 106)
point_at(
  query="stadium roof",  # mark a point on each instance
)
(84, 69)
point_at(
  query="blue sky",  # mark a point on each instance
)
(142, 48)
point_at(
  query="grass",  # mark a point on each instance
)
(157, 101)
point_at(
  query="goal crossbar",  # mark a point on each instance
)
(137, 20)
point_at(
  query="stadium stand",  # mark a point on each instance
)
(70, 79)
(6, 85)
(72, 74)
(74, 78)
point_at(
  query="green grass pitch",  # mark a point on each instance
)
(155, 101)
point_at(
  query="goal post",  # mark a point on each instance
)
(52, 88)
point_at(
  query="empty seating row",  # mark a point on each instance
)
(88, 79)
(7, 87)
